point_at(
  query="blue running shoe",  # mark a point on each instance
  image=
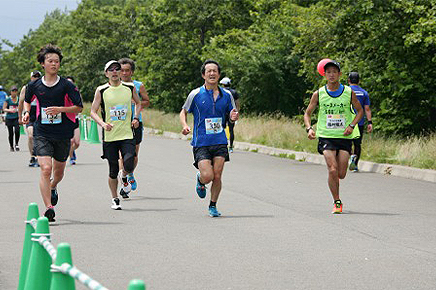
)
(131, 179)
(201, 188)
(213, 212)
(54, 196)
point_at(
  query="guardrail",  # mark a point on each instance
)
(43, 267)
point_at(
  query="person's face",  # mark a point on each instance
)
(126, 72)
(51, 63)
(211, 74)
(14, 93)
(332, 74)
(113, 72)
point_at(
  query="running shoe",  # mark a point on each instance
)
(32, 162)
(131, 179)
(213, 212)
(231, 150)
(50, 214)
(355, 169)
(201, 188)
(353, 162)
(17, 148)
(12, 149)
(125, 190)
(54, 196)
(337, 208)
(72, 161)
(116, 204)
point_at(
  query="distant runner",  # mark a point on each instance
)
(127, 70)
(29, 127)
(10, 106)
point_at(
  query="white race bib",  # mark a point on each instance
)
(213, 125)
(335, 121)
(118, 113)
(50, 119)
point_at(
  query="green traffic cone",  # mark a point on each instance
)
(136, 285)
(22, 131)
(38, 274)
(81, 127)
(61, 281)
(93, 134)
(32, 213)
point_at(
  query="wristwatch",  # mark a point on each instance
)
(24, 113)
(352, 126)
(308, 129)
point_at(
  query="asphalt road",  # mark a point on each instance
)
(276, 231)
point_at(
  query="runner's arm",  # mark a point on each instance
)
(94, 108)
(184, 121)
(145, 100)
(308, 113)
(359, 115)
(21, 101)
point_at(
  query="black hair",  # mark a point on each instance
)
(354, 77)
(49, 48)
(126, 60)
(208, 61)
(71, 78)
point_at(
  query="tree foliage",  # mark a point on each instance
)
(269, 48)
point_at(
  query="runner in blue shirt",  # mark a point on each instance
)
(3, 96)
(127, 71)
(209, 105)
(363, 97)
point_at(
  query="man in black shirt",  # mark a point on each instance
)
(58, 100)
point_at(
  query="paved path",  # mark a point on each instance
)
(276, 231)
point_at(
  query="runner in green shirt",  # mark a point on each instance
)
(335, 127)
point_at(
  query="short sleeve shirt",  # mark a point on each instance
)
(209, 115)
(363, 98)
(62, 94)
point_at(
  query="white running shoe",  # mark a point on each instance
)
(116, 204)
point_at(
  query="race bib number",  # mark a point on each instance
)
(15, 108)
(214, 125)
(335, 122)
(50, 119)
(118, 113)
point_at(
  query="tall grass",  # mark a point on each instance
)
(282, 132)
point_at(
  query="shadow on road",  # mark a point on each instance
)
(244, 216)
(67, 222)
(147, 209)
(371, 213)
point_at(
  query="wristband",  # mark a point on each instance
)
(24, 113)
(308, 129)
(352, 126)
(369, 122)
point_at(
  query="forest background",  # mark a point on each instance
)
(269, 48)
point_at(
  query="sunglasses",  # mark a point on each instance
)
(114, 69)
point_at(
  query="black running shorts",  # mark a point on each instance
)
(137, 133)
(335, 144)
(209, 152)
(58, 149)
(111, 150)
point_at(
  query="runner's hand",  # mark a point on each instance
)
(234, 115)
(52, 110)
(369, 128)
(107, 126)
(186, 130)
(348, 131)
(25, 118)
(135, 123)
(311, 134)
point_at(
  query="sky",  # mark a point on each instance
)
(19, 16)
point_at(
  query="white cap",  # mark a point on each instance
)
(109, 63)
(225, 81)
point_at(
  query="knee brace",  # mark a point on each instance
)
(129, 162)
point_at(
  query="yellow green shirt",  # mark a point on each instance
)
(116, 109)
